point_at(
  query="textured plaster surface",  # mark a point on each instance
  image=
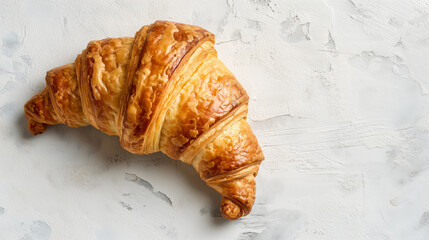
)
(339, 100)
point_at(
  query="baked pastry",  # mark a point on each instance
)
(163, 90)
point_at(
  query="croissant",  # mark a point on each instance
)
(163, 90)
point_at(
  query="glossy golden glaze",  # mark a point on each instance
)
(238, 196)
(210, 94)
(106, 68)
(165, 45)
(40, 112)
(62, 86)
(229, 164)
(234, 148)
(163, 90)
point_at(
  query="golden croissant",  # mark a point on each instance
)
(163, 90)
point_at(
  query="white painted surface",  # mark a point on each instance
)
(339, 102)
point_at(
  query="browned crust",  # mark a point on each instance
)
(230, 152)
(189, 153)
(39, 112)
(229, 164)
(197, 113)
(63, 89)
(165, 45)
(106, 66)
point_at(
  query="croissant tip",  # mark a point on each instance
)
(230, 210)
(36, 128)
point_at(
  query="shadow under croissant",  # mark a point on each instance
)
(93, 138)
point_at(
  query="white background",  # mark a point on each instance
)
(339, 102)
